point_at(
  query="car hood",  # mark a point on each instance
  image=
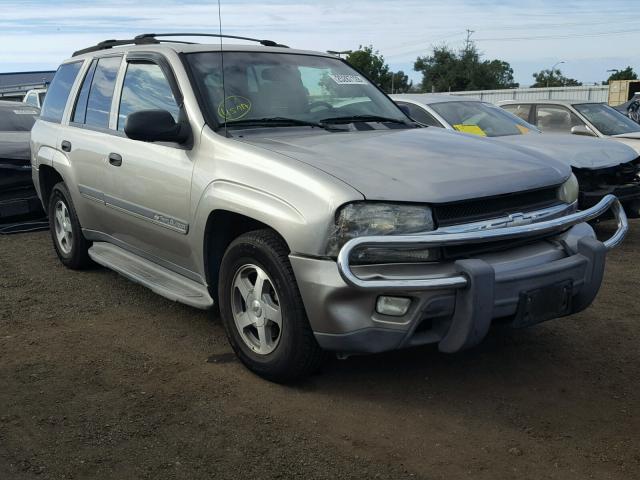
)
(635, 135)
(415, 165)
(630, 139)
(578, 152)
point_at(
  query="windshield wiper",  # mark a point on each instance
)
(362, 118)
(275, 122)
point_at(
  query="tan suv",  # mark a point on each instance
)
(285, 187)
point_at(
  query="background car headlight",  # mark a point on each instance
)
(369, 219)
(569, 190)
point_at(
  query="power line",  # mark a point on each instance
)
(552, 37)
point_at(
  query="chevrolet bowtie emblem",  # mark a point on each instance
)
(513, 220)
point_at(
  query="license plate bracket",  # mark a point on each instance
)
(545, 303)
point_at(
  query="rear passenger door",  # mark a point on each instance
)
(86, 138)
(147, 188)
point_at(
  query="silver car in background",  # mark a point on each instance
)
(578, 118)
(286, 188)
(602, 166)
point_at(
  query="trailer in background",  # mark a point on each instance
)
(621, 91)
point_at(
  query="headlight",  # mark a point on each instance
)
(569, 190)
(368, 219)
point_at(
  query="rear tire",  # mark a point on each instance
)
(69, 242)
(262, 310)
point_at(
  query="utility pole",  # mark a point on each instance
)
(467, 42)
(467, 48)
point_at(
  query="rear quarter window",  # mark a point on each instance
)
(58, 92)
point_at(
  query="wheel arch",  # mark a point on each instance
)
(223, 227)
(48, 177)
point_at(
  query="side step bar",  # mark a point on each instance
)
(160, 280)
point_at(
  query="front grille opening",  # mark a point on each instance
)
(472, 250)
(478, 209)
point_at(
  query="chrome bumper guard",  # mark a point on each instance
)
(439, 238)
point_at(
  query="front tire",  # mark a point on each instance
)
(262, 310)
(70, 245)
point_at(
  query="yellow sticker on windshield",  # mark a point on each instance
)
(474, 129)
(523, 130)
(234, 107)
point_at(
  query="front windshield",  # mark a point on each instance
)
(306, 88)
(607, 120)
(482, 119)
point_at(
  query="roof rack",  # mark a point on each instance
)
(151, 38)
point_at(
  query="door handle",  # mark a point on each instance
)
(115, 159)
(66, 146)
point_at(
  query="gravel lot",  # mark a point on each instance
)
(100, 378)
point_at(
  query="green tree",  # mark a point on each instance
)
(400, 83)
(449, 70)
(626, 74)
(371, 63)
(553, 78)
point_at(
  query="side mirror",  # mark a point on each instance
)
(405, 110)
(154, 126)
(582, 130)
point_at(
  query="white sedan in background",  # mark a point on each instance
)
(579, 118)
(602, 166)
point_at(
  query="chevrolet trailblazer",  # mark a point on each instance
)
(287, 189)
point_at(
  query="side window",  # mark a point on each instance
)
(80, 110)
(32, 99)
(101, 92)
(522, 111)
(555, 118)
(420, 115)
(145, 87)
(59, 91)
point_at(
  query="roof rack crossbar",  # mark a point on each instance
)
(151, 38)
(266, 43)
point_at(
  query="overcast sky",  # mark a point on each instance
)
(590, 36)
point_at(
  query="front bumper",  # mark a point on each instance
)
(454, 303)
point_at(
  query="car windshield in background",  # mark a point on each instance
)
(271, 88)
(481, 119)
(606, 119)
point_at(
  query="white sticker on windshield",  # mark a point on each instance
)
(344, 79)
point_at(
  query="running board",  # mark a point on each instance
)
(162, 281)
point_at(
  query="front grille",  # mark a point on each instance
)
(478, 209)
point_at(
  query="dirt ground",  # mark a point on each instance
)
(100, 378)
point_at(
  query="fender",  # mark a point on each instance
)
(251, 202)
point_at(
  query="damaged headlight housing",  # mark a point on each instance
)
(376, 218)
(569, 190)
